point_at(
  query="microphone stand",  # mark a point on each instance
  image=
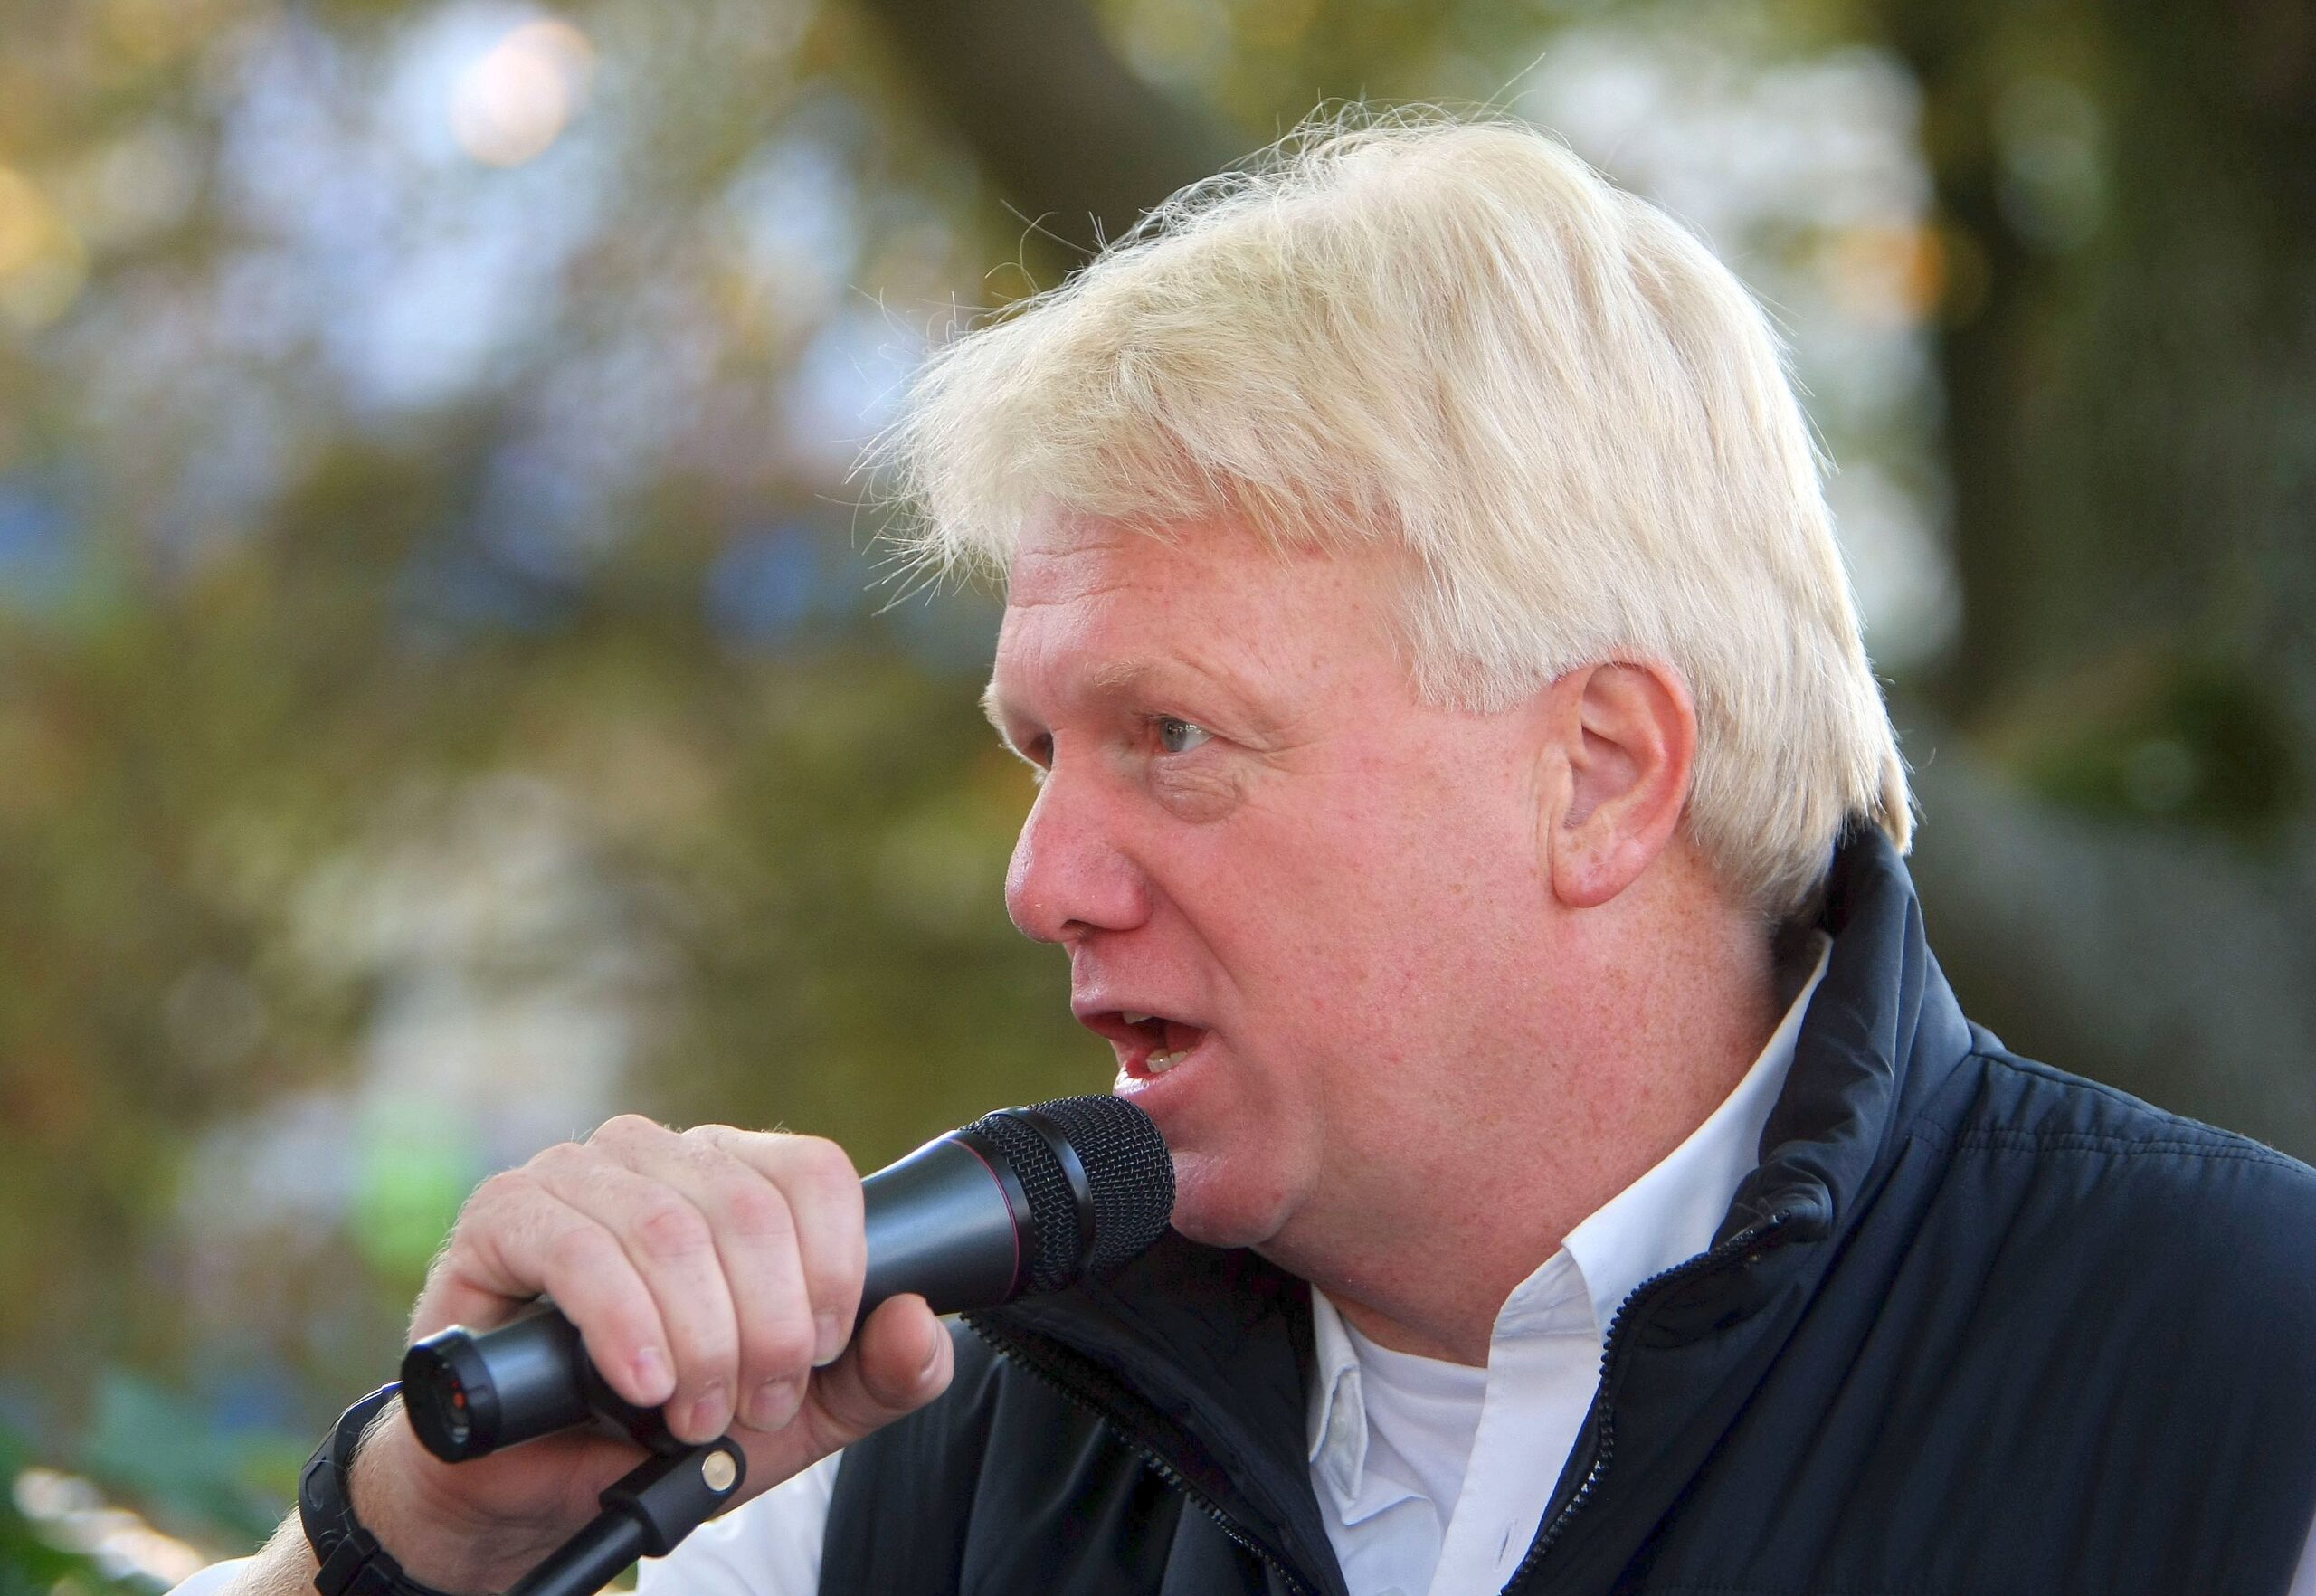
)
(646, 1512)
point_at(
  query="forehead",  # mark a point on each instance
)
(1096, 606)
(1061, 556)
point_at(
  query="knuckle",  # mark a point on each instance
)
(626, 1129)
(817, 1171)
(826, 1163)
(491, 1202)
(563, 1158)
(755, 1210)
(575, 1253)
(671, 1231)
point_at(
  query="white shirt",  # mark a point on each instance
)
(1431, 1477)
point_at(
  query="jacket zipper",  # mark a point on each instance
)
(1605, 1445)
(1087, 1389)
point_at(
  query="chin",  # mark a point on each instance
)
(1225, 1201)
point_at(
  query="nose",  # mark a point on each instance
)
(1068, 877)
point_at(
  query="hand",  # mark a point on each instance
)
(714, 1272)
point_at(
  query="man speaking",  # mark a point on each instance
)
(1470, 816)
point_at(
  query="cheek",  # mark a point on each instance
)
(1308, 907)
(1360, 931)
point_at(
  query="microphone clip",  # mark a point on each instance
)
(645, 1514)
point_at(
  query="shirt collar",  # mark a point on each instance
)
(1338, 1418)
(1663, 1218)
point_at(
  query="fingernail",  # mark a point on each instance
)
(773, 1404)
(708, 1413)
(933, 1362)
(830, 1341)
(653, 1378)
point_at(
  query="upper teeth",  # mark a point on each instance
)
(1137, 1019)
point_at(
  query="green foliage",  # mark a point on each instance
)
(31, 1565)
(2156, 738)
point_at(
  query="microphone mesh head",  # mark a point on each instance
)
(1127, 1167)
(1053, 1212)
(1127, 1171)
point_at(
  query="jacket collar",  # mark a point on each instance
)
(1883, 1033)
(1203, 1356)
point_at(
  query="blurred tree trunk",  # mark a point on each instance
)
(2130, 377)
(2130, 365)
(1078, 144)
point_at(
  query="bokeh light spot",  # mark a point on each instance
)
(514, 102)
(1893, 274)
(43, 262)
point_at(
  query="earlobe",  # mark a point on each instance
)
(1621, 750)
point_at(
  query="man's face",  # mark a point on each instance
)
(1295, 898)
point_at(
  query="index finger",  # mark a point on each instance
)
(516, 1241)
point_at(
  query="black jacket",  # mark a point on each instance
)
(1973, 1326)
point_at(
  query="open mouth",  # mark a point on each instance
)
(1148, 1045)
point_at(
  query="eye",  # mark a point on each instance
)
(1180, 736)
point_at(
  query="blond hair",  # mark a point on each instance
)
(1456, 335)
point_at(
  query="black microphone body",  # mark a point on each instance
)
(948, 1222)
(1021, 1201)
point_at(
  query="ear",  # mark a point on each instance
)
(1623, 744)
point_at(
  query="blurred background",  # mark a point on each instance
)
(450, 693)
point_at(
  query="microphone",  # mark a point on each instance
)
(1021, 1201)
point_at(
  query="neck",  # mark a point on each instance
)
(1645, 1036)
